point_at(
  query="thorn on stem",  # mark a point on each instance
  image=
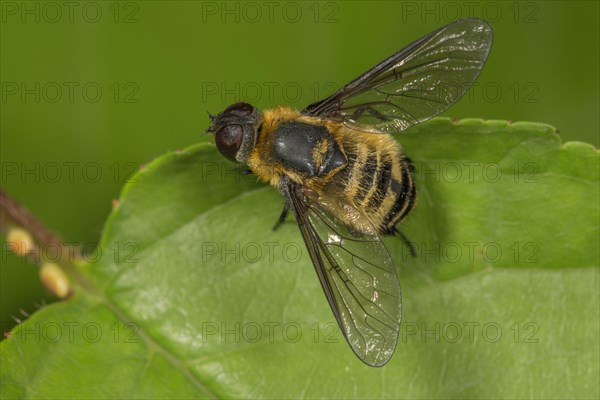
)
(55, 280)
(20, 241)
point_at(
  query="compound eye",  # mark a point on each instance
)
(239, 109)
(229, 139)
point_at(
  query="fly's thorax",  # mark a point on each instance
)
(296, 146)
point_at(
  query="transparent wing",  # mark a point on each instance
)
(415, 84)
(356, 272)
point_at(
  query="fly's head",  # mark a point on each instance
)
(235, 130)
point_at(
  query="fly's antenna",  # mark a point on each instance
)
(210, 129)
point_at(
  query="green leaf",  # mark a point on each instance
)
(194, 295)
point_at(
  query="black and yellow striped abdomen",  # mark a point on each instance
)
(378, 179)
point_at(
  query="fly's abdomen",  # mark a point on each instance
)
(379, 181)
(404, 195)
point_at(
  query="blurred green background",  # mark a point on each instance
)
(92, 90)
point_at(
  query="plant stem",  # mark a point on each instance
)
(13, 214)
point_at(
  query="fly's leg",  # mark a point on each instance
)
(411, 247)
(283, 216)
